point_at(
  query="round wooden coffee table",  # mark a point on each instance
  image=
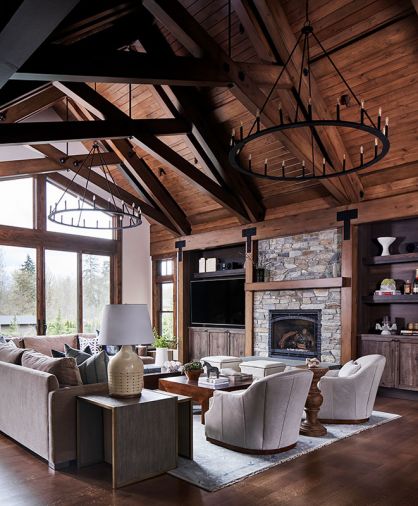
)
(311, 426)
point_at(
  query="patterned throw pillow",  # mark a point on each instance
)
(94, 369)
(91, 342)
(80, 356)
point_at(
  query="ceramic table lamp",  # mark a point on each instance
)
(126, 325)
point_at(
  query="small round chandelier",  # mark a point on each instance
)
(87, 214)
(312, 168)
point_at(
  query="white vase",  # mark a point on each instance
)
(385, 242)
(161, 356)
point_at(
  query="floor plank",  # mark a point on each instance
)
(376, 467)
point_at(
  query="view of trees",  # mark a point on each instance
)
(18, 292)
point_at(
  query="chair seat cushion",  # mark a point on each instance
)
(349, 369)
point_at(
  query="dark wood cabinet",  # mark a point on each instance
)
(401, 352)
(208, 341)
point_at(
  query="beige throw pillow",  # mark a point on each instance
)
(64, 369)
(10, 354)
(44, 344)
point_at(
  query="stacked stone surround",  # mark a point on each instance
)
(308, 256)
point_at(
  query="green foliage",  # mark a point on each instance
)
(193, 366)
(162, 341)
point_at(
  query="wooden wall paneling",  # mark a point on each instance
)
(388, 208)
(349, 262)
(183, 306)
(250, 260)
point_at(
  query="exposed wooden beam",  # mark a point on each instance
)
(43, 165)
(55, 131)
(178, 20)
(105, 109)
(98, 106)
(284, 40)
(205, 137)
(33, 103)
(16, 91)
(27, 29)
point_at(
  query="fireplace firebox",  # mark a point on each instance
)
(295, 332)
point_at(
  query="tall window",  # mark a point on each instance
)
(17, 291)
(164, 313)
(96, 290)
(16, 212)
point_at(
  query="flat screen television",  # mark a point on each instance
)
(218, 302)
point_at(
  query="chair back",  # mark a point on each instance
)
(372, 367)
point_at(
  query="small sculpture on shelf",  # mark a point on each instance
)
(386, 328)
(385, 242)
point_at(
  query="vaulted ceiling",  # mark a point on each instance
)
(162, 84)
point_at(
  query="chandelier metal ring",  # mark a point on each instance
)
(134, 220)
(316, 174)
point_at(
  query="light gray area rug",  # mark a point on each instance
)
(215, 467)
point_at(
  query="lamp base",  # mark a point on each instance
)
(126, 374)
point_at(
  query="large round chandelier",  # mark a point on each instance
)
(86, 213)
(244, 160)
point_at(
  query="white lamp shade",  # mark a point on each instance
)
(126, 324)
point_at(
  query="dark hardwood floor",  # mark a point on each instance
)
(376, 467)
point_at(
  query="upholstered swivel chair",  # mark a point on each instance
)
(350, 399)
(263, 419)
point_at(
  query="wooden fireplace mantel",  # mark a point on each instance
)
(298, 284)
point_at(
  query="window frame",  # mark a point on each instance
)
(157, 281)
(41, 239)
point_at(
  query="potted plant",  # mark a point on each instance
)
(193, 370)
(161, 345)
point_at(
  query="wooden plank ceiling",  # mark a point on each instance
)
(184, 180)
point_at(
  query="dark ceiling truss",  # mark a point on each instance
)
(56, 131)
(30, 25)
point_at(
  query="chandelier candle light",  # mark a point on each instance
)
(86, 214)
(310, 169)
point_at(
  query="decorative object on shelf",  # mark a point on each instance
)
(162, 345)
(88, 213)
(415, 285)
(386, 327)
(125, 325)
(202, 264)
(385, 242)
(193, 370)
(312, 362)
(388, 287)
(210, 369)
(211, 264)
(317, 163)
(407, 287)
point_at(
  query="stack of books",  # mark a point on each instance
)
(409, 332)
(387, 292)
(206, 382)
(235, 376)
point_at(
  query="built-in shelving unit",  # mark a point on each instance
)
(299, 284)
(392, 259)
(391, 299)
(227, 273)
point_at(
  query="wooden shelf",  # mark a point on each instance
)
(298, 284)
(391, 299)
(220, 274)
(392, 259)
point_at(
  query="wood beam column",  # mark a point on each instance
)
(183, 306)
(349, 263)
(250, 261)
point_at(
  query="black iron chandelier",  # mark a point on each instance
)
(87, 214)
(314, 168)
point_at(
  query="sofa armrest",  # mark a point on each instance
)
(63, 421)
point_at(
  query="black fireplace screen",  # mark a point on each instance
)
(295, 333)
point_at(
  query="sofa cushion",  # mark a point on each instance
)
(80, 356)
(44, 344)
(349, 369)
(11, 354)
(89, 340)
(94, 369)
(64, 369)
(57, 354)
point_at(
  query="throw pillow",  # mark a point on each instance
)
(3, 339)
(64, 369)
(80, 356)
(349, 369)
(57, 354)
(94, 369)
(89, 341)
(11, 354)
(44, 344)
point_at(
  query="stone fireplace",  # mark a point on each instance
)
(303, 257)
(295, 333)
